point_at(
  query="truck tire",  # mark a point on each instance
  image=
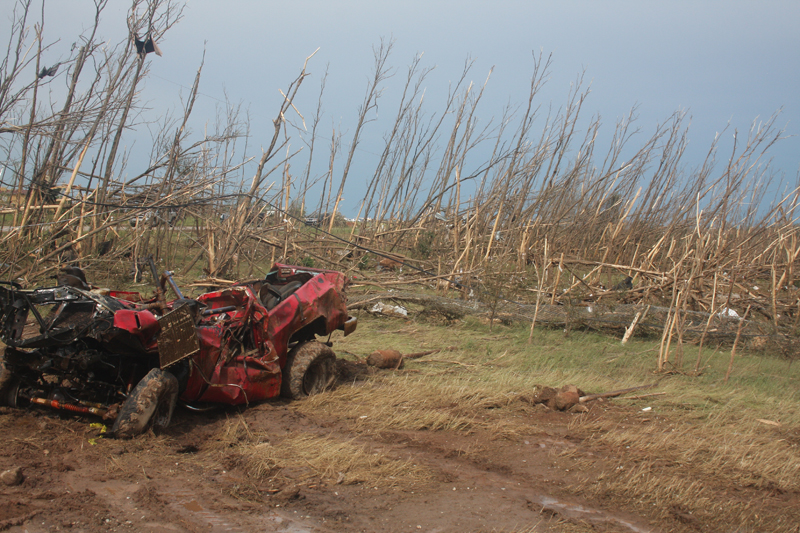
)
(9, 381)
(310, 369)
(9, 386)
(150, 404)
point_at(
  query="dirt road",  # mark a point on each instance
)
(191, 479)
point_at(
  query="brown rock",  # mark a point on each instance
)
(12, 477)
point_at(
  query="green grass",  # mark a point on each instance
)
(760, 386)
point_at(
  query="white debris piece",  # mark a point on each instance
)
(728, 312)
(389, 310)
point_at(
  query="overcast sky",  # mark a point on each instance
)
(723, 62)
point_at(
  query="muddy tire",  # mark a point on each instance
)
(310, 369)
(150, 404)
(9, 386)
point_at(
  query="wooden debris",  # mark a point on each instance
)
(612, 394)
(420, 354)
(629, 330)
(212, 283)
(641, 396)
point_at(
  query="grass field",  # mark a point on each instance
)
(715, 455)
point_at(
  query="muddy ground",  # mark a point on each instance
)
(75, 480)
(181, 480)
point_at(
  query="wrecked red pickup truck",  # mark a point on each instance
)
(112, 354)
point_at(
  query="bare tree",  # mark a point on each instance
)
(374, 91)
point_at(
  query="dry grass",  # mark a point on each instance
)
(700, 456)
(686, 468)
(137, 452)
(303, 457)
(412, 402)
(736, 454)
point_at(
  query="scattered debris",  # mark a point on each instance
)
(104, 247)
(612, 394)
(213, 283)
(557, 399)
(388, 263)
(643, 396)
(571, 398)
(727, 312)
(629, 330)
(144, 47)
(389, 310)
(624, 285)
(385, 359)
(49, 71)
(392, 359)
(565, 398)
(72, 276)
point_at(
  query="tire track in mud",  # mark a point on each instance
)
(481, 482)
(159, 505)
(508, 496)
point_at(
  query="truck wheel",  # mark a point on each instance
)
(310, 369)
(150, 404)
(9, 386)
